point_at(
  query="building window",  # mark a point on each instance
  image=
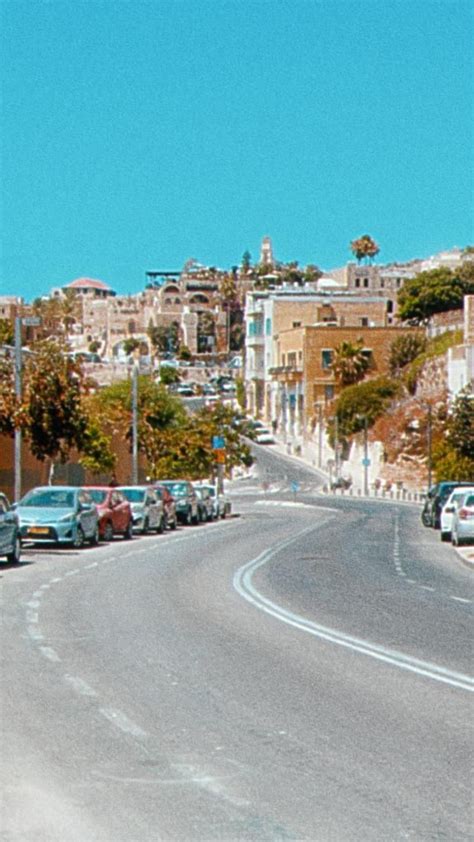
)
(292, 358)
(366, 282)
(283, 359)
(364, 322)
(296, 324)
(328, 392)
(300, 356)
(268, 327)
(326, 358)
(357, 282)
(382, 283)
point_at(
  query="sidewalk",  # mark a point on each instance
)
(465, 554)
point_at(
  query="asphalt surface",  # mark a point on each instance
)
(297, 672)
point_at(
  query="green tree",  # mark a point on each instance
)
(368, 400)
(246, 264)
(169, 375)
(131, 344)
(433, 292)
(364, 248)
(404, 349)
(6, 332)
(350, 362)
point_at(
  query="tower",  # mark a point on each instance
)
(266, 253)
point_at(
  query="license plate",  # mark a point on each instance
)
(38, 530)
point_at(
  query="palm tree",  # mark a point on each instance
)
(364, 247)
(350, 363)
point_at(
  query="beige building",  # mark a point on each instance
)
(303, 369)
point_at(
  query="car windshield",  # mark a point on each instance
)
(56, 498)
(134, 495)
(97, 495)
(177, 489)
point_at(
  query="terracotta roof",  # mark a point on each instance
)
(87, 283)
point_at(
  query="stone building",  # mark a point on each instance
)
(303, 373)
(270, 312)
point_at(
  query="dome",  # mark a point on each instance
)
(88, 283)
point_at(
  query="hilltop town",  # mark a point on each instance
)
(282, 328)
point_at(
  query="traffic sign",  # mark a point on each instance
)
(295, 486)
(366, 462)
(218, 442)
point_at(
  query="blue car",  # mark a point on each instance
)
(10, 545)
(59, 514)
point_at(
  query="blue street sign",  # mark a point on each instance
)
(295, 486)
(218, 442)
(366, 462)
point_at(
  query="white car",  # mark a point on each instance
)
(462, 527)
(220, 502)
(264, 436)
(449, 509)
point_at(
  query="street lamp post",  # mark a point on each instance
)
(366, 459)
(430, 442)
(31, 321)
(135, 423)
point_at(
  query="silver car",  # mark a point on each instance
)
(10, 545)
(148, 511)
(59, 514)
(462, 526)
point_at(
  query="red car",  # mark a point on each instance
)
(115, 513)
(169, 505)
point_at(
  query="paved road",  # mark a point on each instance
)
(300, 672)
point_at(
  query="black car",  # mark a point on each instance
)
(435, 500)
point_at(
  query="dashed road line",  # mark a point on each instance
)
(50, 654)
(119, 720)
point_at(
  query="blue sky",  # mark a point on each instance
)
(138, 135)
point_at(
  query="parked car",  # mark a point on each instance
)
(448, 510)
(10, 543)
(185, 391)
(220, 502)
(186, 499)
(343, 483)
(462, 526)
(60, 514)
(115, 512)
(148, 512)
(435, 500)
(169, 504)
(264, 436)
(205, 505)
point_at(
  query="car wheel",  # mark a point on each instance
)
(108, 531)
(94, 539)
(128, 534)
(445, 536)
(161, 526)
(14, 556)
(224, 515)
(79, 540)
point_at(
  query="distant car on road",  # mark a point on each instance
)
(60, 514)
(462, 526)
(343, 483)
(264, 436)
(115, 512)
(10, 543)
(449, 509)
(147, 510)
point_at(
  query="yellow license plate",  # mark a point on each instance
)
(38, 530)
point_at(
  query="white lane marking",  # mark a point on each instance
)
(33, 603)
(117, 718)
(37, 595)
(427, 588)
(412, 581)
(57, 579)
(34, 633)
(31, 616)
(45, 587)
(73, 572)
(50, 654)
(80, 686)
(242, 582)
(90, 566)
(461, 599)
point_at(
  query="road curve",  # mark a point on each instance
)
(300, 672)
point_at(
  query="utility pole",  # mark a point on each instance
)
(430, 442)
(320, 436)
(366, 459)
(135, 423)
(17, 440)
(336, 444)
